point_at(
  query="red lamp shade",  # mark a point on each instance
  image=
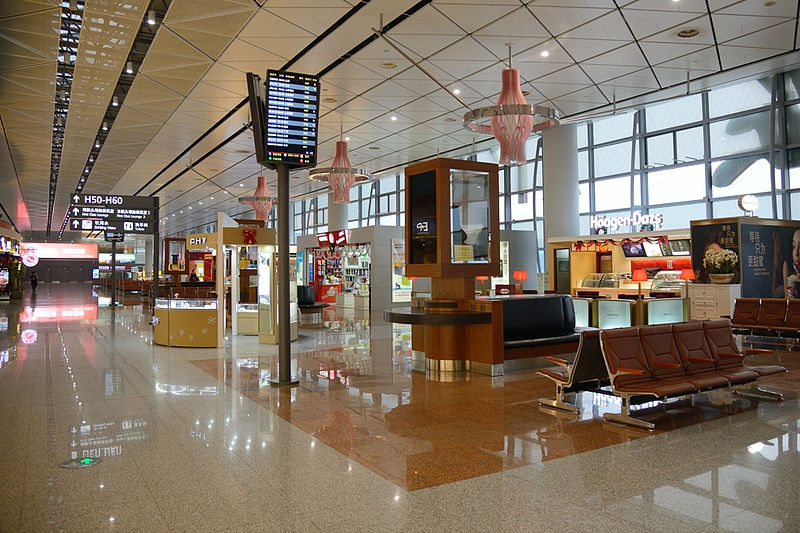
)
(520, 275)
(687, 273)
(482, 278)
(639, 275)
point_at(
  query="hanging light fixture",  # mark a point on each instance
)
(340, 175)
(512, 119)
(262, 202)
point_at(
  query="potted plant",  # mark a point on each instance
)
(720, 265)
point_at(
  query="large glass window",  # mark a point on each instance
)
(613, 193)
(740, 134)
(676, 184)
(744, 175)
(739, 97)
(674, 113)
(613, 159)
(613, 128)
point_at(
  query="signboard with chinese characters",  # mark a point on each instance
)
(771, 259)
(716, 236)
(97, 212)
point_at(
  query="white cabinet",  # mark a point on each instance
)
(712, 300)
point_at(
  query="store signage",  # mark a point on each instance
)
(423, 227)
(635, 219)
(30, 259)
(201, 241)
(8, 245)
(332, 238)
(29, 336)
(52, 250)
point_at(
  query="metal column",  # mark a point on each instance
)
(284, 329)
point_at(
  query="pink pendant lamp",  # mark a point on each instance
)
(340, 175)
(262, 201)
(341, 182)
(512, 119)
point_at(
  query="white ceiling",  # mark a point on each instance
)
(194, 74)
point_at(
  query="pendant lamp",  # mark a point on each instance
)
(262, 202)
(512, 120)
(340, 175)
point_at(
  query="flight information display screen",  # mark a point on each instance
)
(292, 115)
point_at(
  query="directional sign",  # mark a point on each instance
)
(80, 463)
(113, 224)
(114, 200)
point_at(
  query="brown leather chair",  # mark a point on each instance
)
(587, 294)
(698, 362)
(771, 315)
(724, 349)
(792, 323)
(745, 313)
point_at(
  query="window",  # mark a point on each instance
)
(614, 159)
(674, 113)
(613, 128)
(741, 134)
(739, 97)
(612, 194)
(676, 184)
(745, 175)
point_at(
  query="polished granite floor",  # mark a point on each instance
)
(197, 440)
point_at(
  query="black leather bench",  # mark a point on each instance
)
(539, 325)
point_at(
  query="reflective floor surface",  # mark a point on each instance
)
(197, 439)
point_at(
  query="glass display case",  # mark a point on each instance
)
(185, 322)
(668, 280)
(609, 280)
(247, 318)
(469, 216)
(267, 300)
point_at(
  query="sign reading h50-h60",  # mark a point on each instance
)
(114, 200)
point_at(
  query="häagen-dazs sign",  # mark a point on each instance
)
(634, 219)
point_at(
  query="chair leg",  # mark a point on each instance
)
(558, 402)
(624, 417)
(758, 392)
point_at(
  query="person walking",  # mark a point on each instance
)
(34, 281)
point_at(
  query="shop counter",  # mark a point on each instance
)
(327, 293)
(352, 300)
(247, 319)
(190, 323)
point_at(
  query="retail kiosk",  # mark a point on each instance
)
(358, 268)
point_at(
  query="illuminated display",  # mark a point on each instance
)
(292, 113)
(51, 250)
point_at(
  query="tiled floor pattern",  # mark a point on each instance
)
(182, 450)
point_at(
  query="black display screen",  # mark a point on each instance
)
(422, 216)
(292, 115)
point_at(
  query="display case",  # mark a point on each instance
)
(609, 280)
(184, 322)
(668, 280)
(267, 291)
(247, 318)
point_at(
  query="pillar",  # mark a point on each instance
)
(337, 214)
(560, 171)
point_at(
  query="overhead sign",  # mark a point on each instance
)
(201, 241)
(109, 224)
(114, 236)
(56, 250)
(116, 213)
(292, 115)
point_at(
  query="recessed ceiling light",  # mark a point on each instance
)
(544, 53)
(211, 198)
(151, 17)
(388, 65)
(241, 185)
(181, 212)
(190, 207)
(129, 67)
(393, 118)
(200, 203)
(374, 147)
(347, 138)
(688, 32)
(456, 91)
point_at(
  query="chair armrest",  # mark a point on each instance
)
(637, 371)
(752, 351)
(705, 360)
(556, 360)
(731, 355)
(667, 365)
(725, 316)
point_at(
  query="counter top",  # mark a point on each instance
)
(415, 316)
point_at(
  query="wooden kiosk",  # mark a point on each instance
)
(452, 235)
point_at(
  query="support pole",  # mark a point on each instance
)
(284, 328)
(113, 273)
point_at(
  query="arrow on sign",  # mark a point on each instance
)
(75, 224)
(76, 198)
(74, 429)
(75, 211)
(73, 444)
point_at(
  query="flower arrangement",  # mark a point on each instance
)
(720, 261)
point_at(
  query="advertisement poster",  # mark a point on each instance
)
(715, 237)
(770, 260)
(401, 285)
